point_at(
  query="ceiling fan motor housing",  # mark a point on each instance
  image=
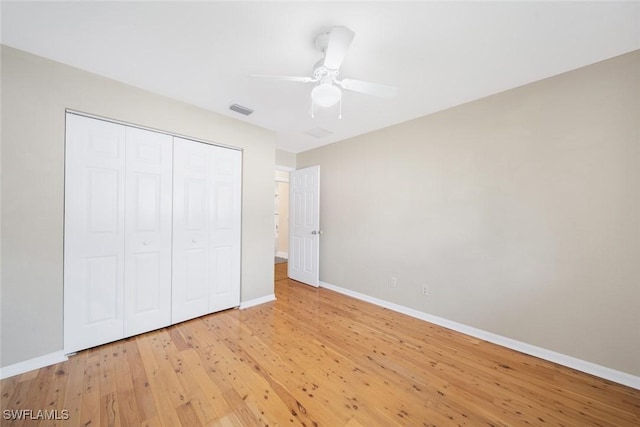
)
(322, 41)
(324, 74)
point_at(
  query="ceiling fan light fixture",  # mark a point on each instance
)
(326, 95)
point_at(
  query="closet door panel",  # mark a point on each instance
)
(101, 289)
(191, 209)
(94, 232)
(224, 236)
(195, 278)
(149, 169)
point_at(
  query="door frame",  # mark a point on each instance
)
(288, 170)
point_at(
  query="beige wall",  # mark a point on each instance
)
(286, 159)
(520, 211)
(35, 93)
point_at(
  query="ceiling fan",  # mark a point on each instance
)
(326, 93)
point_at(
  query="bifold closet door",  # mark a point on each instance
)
(94, 232)
(147, 275)
(225, 230)
(206, 229)
(118, 201)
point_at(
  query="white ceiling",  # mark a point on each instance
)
(438, 54)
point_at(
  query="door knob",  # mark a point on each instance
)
(145, 243)
(316, 232)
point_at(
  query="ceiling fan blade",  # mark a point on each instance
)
(375, 89)
(339, 41)
(285, 78)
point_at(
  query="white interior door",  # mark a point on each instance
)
(94, 232)
(224, 231)
(148, 194)
(304, 216)
(191, 210)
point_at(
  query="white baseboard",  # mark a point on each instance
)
(284, 255)
(532, 350)
(31, 364)
(257, 301)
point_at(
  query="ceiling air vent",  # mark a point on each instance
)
(318, 132)
(240, 109)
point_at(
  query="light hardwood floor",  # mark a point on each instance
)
(314, 358)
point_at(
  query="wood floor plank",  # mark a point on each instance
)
(109, 410)
(91, 399)
(127, 404)
(187, 415)
(39, 388)
(55, 396)
(218, 408)
(16, 398)
(73, 394)
(314, 357)
(157, 387)
(144, 400)
(202, 407)
(167, 372)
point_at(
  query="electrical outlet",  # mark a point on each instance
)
(393, 282)
(425, 289)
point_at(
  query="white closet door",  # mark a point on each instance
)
(94, 232)
(206, 229)
(224, 237)
(147, 277)
(152, 231)
(191, 210)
